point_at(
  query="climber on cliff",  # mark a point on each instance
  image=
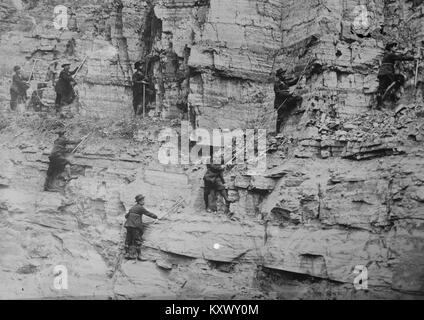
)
(388, 80)
(36, 103)
(59, 160)
(134, 226)
(214, 181)
(18, 89)
(65, 93)
(285, 100)
(139, 87)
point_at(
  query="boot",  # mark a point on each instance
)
(127, 255)
(131, 253)
(46, 186)
(139, 254)
(379, 102)
(227, 207)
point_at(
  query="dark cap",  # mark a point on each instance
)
(139, 197)
(390, 45)
(138, 64)
(16, 68)
(65, 64)
(280, 72)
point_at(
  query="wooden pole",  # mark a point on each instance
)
(79, 144)
(32, 71)
(144, 100)
(417, 67)
(80, 66)
(180, 201)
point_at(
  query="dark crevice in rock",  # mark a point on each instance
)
(227, 267)
(313, 264)
(274, 275)
(150, 32)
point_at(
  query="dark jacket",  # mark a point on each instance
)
(138, 79)
(389, 60)
(214, 174)
(135, 216)
(64, 85)
(60, 146)
(19, 85)
(282, 91)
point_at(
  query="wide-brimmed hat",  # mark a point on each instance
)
(139, 197)
(67, 63)
(16, 68)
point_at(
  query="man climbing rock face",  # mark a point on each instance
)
(58, 160)
(65, 93)
(214, 181)
(18, 89)
(386, 74)
(134, 226)
(285, 100)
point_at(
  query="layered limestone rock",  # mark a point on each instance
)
(178, 42)
(343, 187)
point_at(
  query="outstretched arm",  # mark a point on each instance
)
(402, 57)
(75, 71)
(149, 214)
(292, 81)
(73, 141)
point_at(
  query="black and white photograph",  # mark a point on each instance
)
(234, 151)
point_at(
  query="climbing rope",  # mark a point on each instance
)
(296, 86)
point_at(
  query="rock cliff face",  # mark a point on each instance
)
(344, 184)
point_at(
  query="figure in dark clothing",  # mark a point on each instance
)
(65, 93)
(141, 82)
(134, 226)
(58, 160)
(386, 74)
(285, 100)
(18, 89)
(36, 102)
(214, 181)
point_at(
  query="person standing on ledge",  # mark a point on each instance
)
(18, 90)
(134, 226)
(214, 181)
(65, 93)
(140, 83)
